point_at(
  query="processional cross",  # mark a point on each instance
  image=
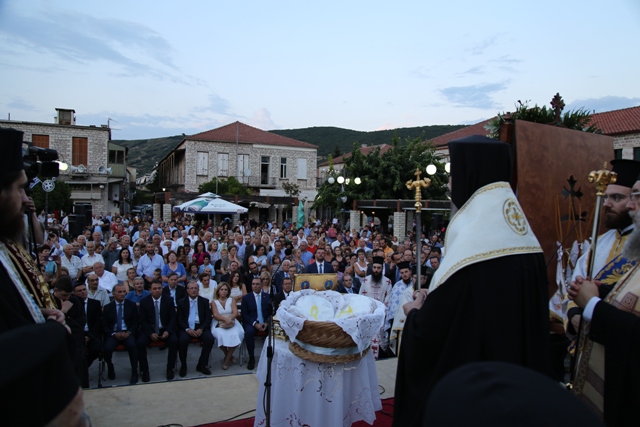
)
(418, 185)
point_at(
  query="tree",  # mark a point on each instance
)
(384, 175)
(292, 190)
(59, 198)
(230, 185)
(578, 119)
(336, 152)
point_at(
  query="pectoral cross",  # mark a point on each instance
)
(418, 185)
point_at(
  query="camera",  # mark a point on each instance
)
(40, 161)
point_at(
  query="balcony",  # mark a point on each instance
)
(258, 182)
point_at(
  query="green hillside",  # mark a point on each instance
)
(144, 153)
(327, 138)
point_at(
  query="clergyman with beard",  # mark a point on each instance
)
(39, 360)
(608, 372)
(609, 263)
(378, 287)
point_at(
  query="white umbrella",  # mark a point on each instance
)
(209, 203)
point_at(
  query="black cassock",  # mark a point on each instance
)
(496, 310)
(619, 332)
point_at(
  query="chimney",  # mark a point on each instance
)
(65, 116)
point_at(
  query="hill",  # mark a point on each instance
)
(144, 153)
(327, 138)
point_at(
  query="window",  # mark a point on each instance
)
(283, 167)
(223, 164)
(243, 170)
(79, 151)
(264, 170)
(41, 141)
(302, 168)
(636, 153)
(116, 156)
(202, 163)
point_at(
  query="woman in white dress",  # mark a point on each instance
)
(226, 329)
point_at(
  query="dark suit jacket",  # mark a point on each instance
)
(343, 290)
(326, 266)
(250, 309)
(248, 251)
(130, 315)
(278, 298)
(147, 312)
(94, 318)
(75, 317)
(204, 313)
(247, 278)
(277, 281)
(181, 292)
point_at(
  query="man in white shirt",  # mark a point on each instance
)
(90, 258)
(71, 262)
(106, 279)
(96, 292)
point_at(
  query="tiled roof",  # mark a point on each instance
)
(476, 129)
(618, 122)
(247, 135)
(364, 150)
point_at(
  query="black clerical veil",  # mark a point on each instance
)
(477, 161)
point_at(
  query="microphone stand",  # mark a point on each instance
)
(270, 342)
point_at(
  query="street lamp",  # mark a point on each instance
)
(432, 169)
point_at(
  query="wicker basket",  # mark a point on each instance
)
(325, 336)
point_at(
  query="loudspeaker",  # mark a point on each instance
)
(84, 209)
(77, 224)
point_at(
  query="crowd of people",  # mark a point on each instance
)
(184, 280)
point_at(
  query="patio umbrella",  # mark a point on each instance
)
(209, 203)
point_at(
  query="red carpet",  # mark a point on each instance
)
(384, 418)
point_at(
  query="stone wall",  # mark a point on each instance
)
(61, 140)
(626, 143)
(399, 224)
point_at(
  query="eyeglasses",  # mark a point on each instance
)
(616, 197)
(634, 197)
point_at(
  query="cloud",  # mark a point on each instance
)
(75, 38)
(474, 96)
(217, 105)
(506, 59)
(606, 103)
(472, 71)
(479, 48)
(420, 73)
(17, 103)
(262, 120)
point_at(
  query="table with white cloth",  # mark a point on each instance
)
(317, 394)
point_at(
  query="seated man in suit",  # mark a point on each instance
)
(249, 275)
(287, 286)
(281, 275)
(157, 323)
(320, 266)
(172, 290)
(255, 308)
(348, 286)
(120, 325)
(194, 321)
(75, 317)
(92, 329)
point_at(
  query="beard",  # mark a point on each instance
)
(11, 225)
(619, 221)
(631, 249)
(376, 276)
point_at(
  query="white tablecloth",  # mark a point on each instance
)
(317, 394)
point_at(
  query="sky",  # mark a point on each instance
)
(158, 68)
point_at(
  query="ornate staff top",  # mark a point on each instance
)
(418, 185)
(602, 178)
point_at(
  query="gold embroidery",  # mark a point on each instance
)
(515, 217)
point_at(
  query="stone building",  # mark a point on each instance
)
(97, 167)
(263, 161)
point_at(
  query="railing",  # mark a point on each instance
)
(257, 181)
